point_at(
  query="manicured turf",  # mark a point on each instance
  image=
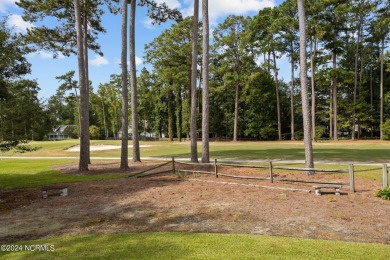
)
(197, 246)
(363, 151)
(27, 173)
(24, 173)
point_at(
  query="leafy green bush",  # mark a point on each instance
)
(386, 129)
(384, 194)
(320, 132)
(268, 133)
(94, 132)
(71, 131)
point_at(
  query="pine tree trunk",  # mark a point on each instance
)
(235, 129)
(84, 110)
(170, 116)
(105, 121)
(205, 78)
(356, 75)
(381, 87)
(85, 46)
(334, 100)
(125, 94)
(292, 97)
(193, 127)
(331, 112)
(371, 104)
(277, 97)
(179, 113)
(133, 81)
(304, 92)
(313, 53)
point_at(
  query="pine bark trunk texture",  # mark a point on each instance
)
(235, 128)
(277, 97)
(86, 67)
(133, 81)
(355, 83)
(205, 79)
(309, 163)
(194, 68)
(313, 53)
(179, 111)
(334, 100)
(292, 97)
(84, 106)
(125, 95)
(382, 56)
(171, 115)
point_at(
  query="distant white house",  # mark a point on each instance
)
(59, 133)
(143, 135)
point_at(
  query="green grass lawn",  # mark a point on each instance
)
(364, 151)
(24, 173)
(197, 246)
(27, 173)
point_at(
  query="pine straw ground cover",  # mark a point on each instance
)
(192, 203)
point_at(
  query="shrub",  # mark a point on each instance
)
(320, 132)
(71, 131)
(268, 133)
(386, 129)
(384, 194)
(94, 132)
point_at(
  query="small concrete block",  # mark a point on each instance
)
(64, 192)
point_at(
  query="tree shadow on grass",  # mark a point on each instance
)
(118, 246)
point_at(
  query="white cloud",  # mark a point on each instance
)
(148, 23)
(99, 61)
(219, 8)
(171, 3)
(18, 23)
(5, 3)
(138, 61)
(46, 55)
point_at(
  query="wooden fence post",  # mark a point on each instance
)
(271, 175)
(173, 165)
(351, 178)
(385, 176)
(215, 168)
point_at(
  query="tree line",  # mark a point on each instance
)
(243, 93)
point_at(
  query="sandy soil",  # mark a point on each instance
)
(101, 147)
(195, 203)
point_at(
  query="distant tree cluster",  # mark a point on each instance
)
(243, 96)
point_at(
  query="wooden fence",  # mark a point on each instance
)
(270, 168)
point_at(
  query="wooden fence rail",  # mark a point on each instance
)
(271, 177)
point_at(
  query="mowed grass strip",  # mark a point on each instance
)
(362, 151)
(28, 173)
(196, 246)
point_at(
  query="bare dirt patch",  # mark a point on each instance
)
(196, 204)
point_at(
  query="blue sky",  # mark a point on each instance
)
(45, 68)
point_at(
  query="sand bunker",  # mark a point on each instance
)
(102, 147)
